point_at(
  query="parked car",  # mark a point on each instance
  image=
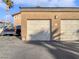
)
(7, 31)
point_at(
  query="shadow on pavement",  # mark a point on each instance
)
(57, 50)
(61, 52)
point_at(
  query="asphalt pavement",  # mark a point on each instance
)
(12, 47)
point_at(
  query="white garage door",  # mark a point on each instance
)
(69, 30)
(38, 30)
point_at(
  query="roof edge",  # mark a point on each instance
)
(16, 13)
(50, 9)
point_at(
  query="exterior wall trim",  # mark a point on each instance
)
(50, 9)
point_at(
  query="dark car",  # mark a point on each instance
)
(7, 31)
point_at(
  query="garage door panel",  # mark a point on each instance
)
(69, 29)
(38, 30)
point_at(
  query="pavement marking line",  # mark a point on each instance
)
(67, 50)
(52, 47)
(61, 45)
(64, 49)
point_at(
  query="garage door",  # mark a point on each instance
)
(69, 30)
(38, 30)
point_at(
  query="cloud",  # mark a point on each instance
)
(47, 3)
(0, 1)
(43, 3)
(67, 3)
(2, 5)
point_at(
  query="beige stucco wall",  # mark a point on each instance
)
(54, 15)
(37, 15)
(17, 19)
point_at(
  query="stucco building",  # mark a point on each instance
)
(17, 19)
(45, 24)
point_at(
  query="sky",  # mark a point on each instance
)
(33, 3)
